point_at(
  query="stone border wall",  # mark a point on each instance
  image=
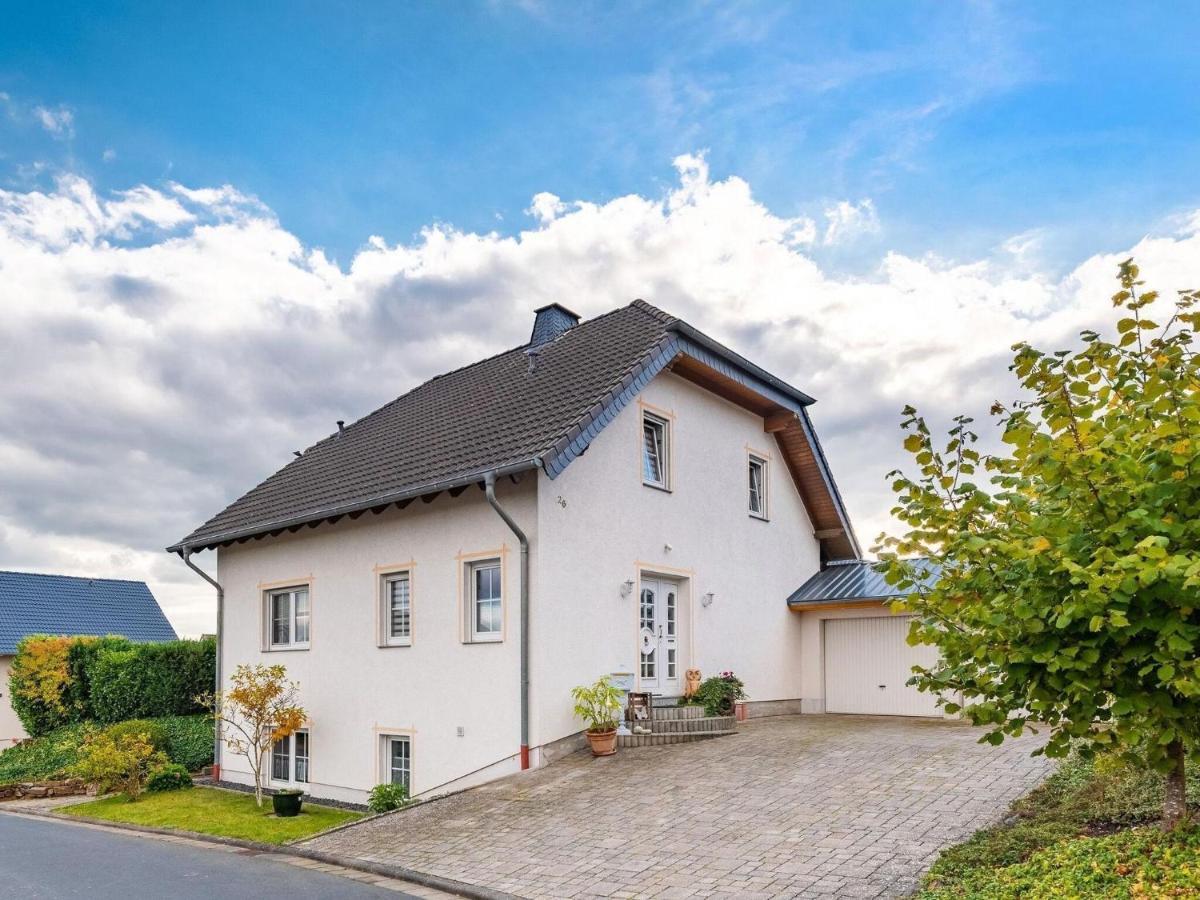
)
(31, 790)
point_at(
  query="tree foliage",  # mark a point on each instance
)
(260, 707)
(1070, 585)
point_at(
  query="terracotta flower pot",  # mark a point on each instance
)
(604, 743)
(739, 710)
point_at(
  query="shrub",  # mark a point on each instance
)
(1141, 862)
(171, 777)
(718, 694)
(386, 797)
(151, 731)
(37, 683)
(122, 762)
(59, 681)
(151, 680)
(189, 740)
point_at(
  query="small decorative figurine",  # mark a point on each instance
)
(692, 683)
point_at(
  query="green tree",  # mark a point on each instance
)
(1070, 585)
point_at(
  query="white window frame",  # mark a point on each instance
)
(471, 598)
(387, 773)
(763, 465)
(663, 450)
(293, 760)
(293, 618)
(386, 580)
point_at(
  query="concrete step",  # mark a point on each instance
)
(693, 725)
(657, 740)
(667, 713)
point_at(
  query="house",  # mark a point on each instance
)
(63, 604)
(620, 495)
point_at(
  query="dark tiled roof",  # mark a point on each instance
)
(61, 604)
(509, 412)
(858, 579)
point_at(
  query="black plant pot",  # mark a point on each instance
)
(725, 707)
(287, 803)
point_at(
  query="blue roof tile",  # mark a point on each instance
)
(63, 604)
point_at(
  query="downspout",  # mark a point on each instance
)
(186, 555)
(490, 489)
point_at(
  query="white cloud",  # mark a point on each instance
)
(59, 120)
(109, 155)
(165, 349)
(847, 221)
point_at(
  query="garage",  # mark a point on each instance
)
(853, 653)
(867, 664)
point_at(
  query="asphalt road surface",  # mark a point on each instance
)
(43, 860)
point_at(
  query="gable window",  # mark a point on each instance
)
(758, 487)
(288, 618)
(485, 601)
(397, 609)
(397, 759)
(655, 451)
(289, 758)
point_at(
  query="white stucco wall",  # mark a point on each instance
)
(10, 726)
(354, 690)
(601, 526)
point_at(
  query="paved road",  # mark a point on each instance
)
(41, 860)
(797, 806)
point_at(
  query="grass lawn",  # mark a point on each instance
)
(214, 811)
(1087, 832)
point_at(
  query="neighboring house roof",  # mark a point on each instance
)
(535, 406)
(858, 579)
(62, 604)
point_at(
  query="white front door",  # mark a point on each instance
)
(658, 636)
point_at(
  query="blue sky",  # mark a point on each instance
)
(963, 123)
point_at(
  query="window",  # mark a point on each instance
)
(485, 601)
(758, 487)
(397, 760)
(288, 618)
(397, 609)
(655, 451)
(289, 758)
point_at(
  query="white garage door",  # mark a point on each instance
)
(868, 661)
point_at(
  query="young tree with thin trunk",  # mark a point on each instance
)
(260, 708)
(1069, 592)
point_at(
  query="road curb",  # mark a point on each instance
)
(385, 870)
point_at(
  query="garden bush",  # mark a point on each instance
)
(718, 694)
(171, 777)
(58, 681)
(386, 797)
(153, 732)
(188, 742)
(121, 761)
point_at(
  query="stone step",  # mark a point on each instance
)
(657, 740)
(693, 725)
(667, 713)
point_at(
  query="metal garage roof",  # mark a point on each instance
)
(858, 579)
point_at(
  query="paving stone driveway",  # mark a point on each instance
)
(795, 806)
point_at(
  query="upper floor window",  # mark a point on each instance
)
(655, 451)
(397, 609)
(485, 600)
(758, 487)
(288, 618)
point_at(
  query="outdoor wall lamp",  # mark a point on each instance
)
(706, 600)
(626, 588)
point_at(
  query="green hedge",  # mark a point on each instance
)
(187, 740)
(62, 681)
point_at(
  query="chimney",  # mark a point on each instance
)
(549, 322)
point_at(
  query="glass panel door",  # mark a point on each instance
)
(648, 635)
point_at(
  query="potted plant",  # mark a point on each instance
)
(287, 802)
(599, 706)
(721, 695)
